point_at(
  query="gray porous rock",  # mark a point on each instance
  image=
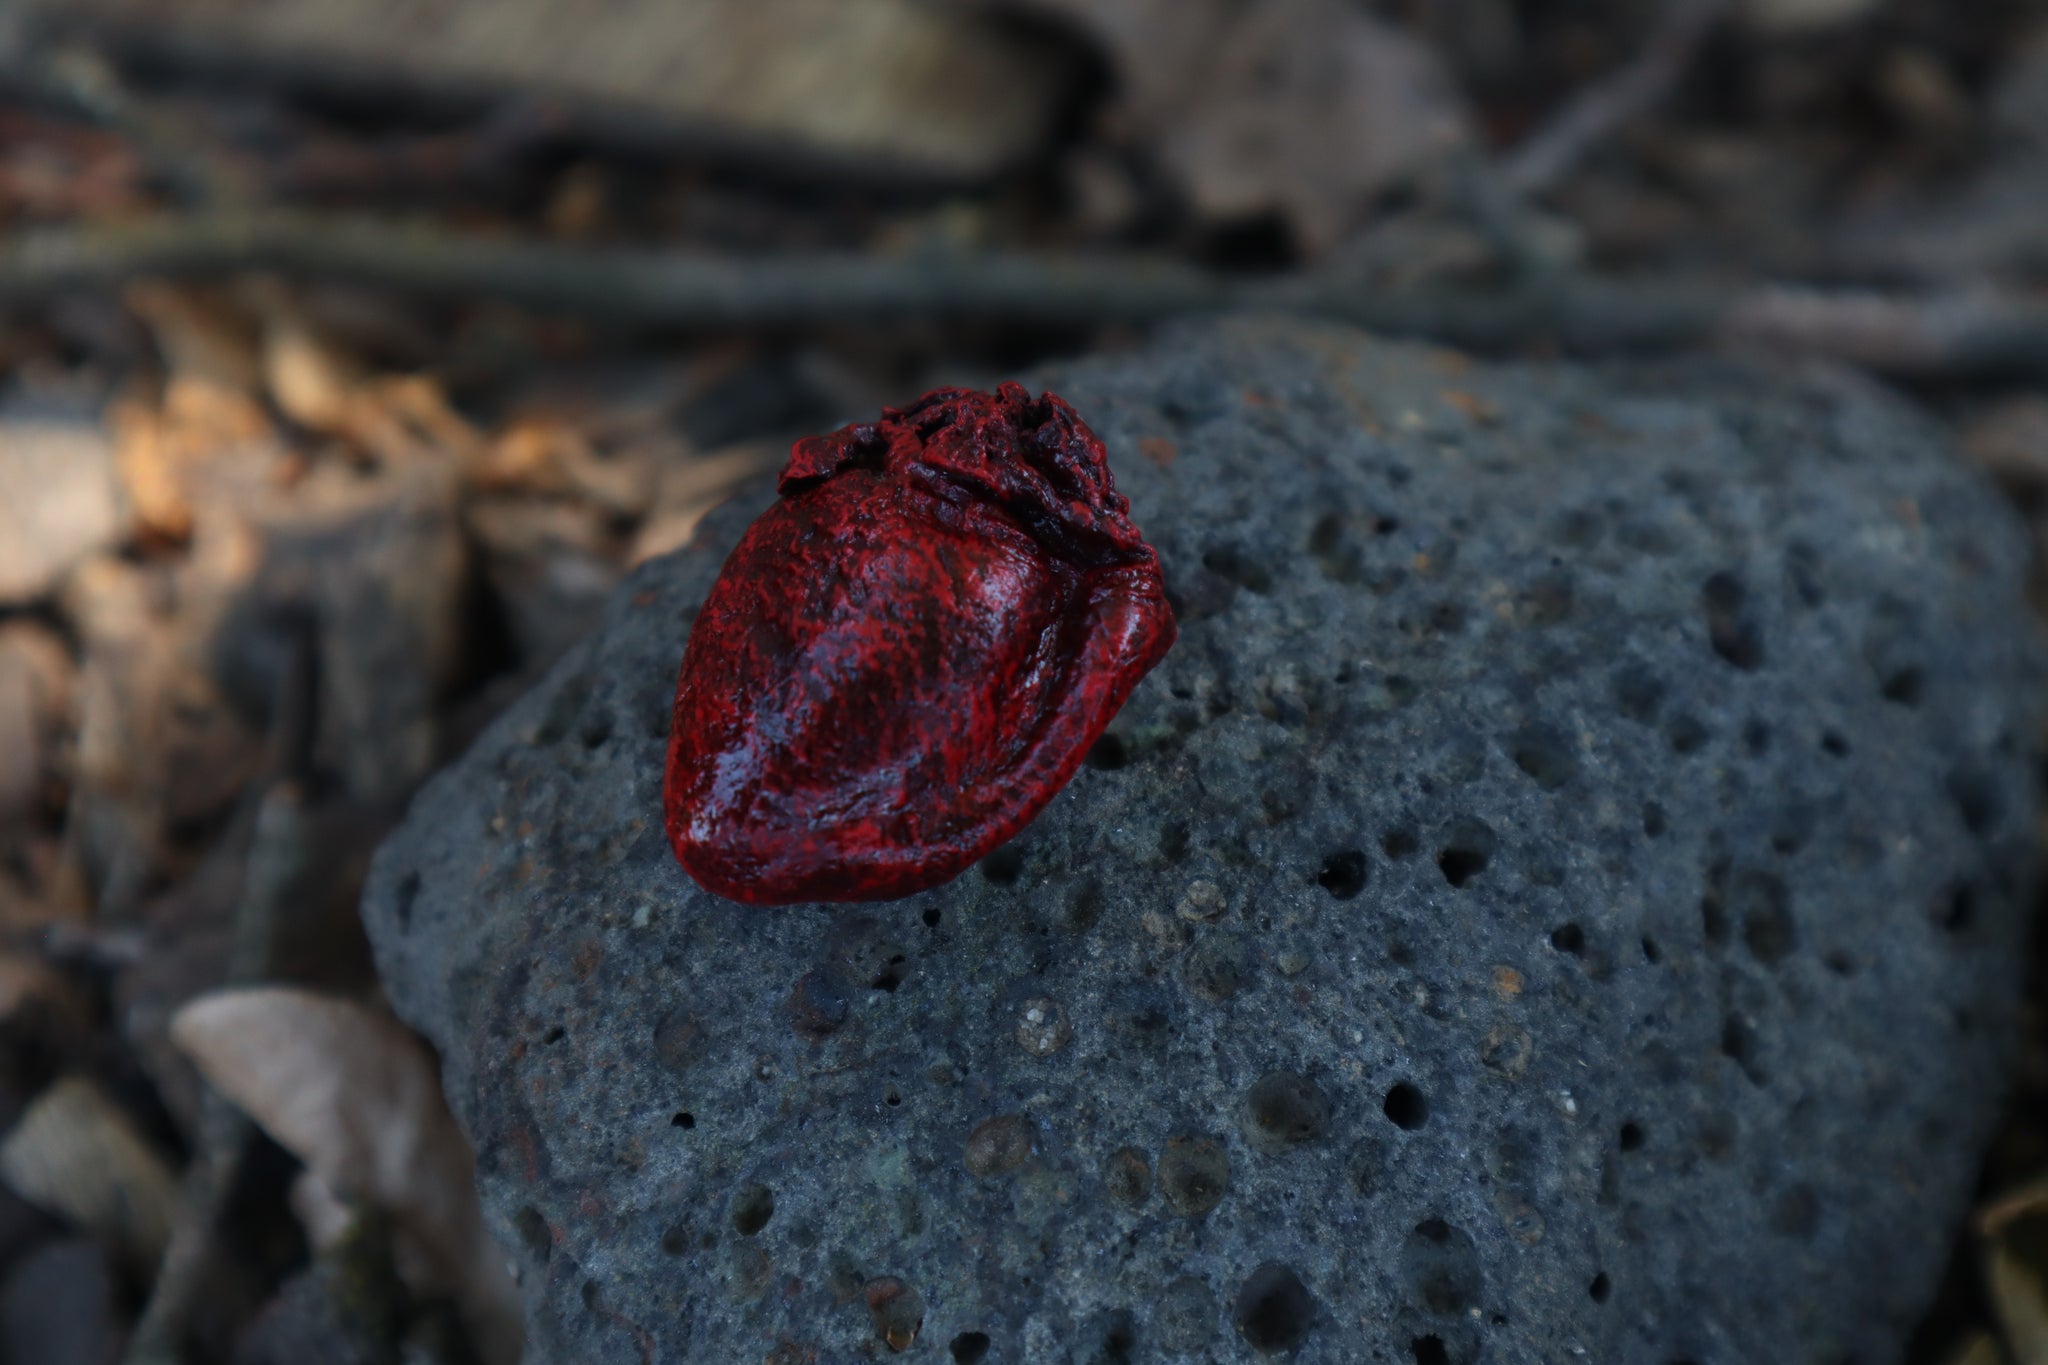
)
(1560, 900)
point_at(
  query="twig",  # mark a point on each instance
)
(1914, 334)
(276, 853)
(276, 859)
(79, 78)
(673, 289)
(1593, 115)
(1500, 214)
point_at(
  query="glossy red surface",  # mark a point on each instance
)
(910, 653)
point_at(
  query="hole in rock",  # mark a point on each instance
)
(1441, 1266)
(1287, 1109)
(1112, 1339)
(1003, 867)
(533, 1232)
(1764, 904)
(969, 1348)
(752, 1209)
(407, 893)
(1545, 755)
(1194, 1173)
(1466, 851)
(1976, 794)
(1108, 754)
(1637, 693)
(1958, 908)
(1229, 562)
(1406, 1106)
(1729, 628)
(1274, 1309)
(1905, 687)
(1343, 874)
(1686, 735)
(1739, 1044)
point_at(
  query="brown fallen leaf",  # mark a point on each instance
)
(319, 384)
(356, 1097)
(692, 487)
(555, 457)
(26, 983)
(312, 381)
(1307, 108)
(76, 1153)
(168, 446)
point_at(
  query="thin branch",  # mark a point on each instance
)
(1926, 334)
(276, 860)
(1596, 112)
(79, 78)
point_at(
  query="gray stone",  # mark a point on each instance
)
(59, 500)
(347, 1308)
(1560, 899)
(58, 1303)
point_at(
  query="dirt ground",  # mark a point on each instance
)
(351, 351)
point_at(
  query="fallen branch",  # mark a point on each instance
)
(1909, 334)
(276, 859)
(1598, 111)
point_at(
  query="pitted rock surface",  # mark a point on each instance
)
(1560, 899)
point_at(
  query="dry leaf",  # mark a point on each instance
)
(689, 489)
(312, 382)
(554, 457)
(205, 341)
(209, 433)
(1307, 108)
(27, 982)
(356, 1097)
(76, 1153)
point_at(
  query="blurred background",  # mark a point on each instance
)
(352, 350)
